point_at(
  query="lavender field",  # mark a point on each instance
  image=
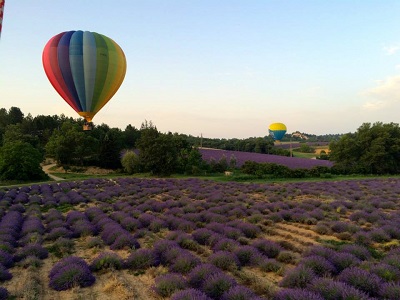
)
(242, 157)
(130, 238)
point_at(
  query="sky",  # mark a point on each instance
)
(220, 68)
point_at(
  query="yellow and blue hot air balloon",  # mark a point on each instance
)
(277, 130)
(85, 68)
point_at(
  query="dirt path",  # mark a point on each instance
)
(46, 169)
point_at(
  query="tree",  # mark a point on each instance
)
(71, 146)
(130, 162)
(110, 149)
(371, 150)
(20, 161)
(15, 115)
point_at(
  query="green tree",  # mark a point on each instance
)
(110, 150)
(15, 115)
(130, 162)
(20, 161)
(373, 149)
(71, 146)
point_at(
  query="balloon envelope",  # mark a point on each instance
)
(277, 130)
(2, 3)
(85, 68)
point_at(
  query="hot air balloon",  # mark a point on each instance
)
(277, 130)
(85, 68)
(2, 3)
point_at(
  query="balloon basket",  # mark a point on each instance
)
(88, 126)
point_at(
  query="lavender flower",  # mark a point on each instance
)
(166, 285)
(297, 294)
(70, 272)
(141, 259)
(217, 284)
(190, 294)
(362, 280)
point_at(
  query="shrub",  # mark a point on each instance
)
(286, 257)
(166, 285)
(62, 247)
(321, 266)
(31, 261)
(270, 265)
(342, 261)
(298, 277)
(386, 272)
(141, 259)
(322, 229)
(6, 259)
(107, 261)
(390, 291)
(125, 241)
(239, 292)
(333, 290)
(357, 250)
(197, 276)
(224, 260)
(57, 233)
(70, 272)
(185, 263)
(3, 293)
(161, 247)
(248, 255)
(296, 294)
(217, 284)
(361, 279)
(225, 244)
(190, 294)
(95, 242)
(268, 248)
(4, 274)
(202, 235)
(32, 250)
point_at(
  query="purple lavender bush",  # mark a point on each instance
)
(166, 285)
(70, 272)
(6, 259)
(362, 280)
(107, 261)
(297, 294)
(31, 250)
(299, 277)
(333, 290)
(198, 275)
(224, 260)
(390, 291)
(239, 292)
(190, 294)
(217, 284)
(321, 266)
(268, 248)
(141, 259)
(4, 274)
(184, 263)
(3, 293)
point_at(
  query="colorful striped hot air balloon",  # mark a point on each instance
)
(277, 130)
(2, 3)
(85, 68)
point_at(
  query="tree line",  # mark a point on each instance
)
(26, 140)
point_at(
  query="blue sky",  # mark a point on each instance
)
(225, 68)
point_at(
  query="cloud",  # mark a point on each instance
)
(371, 105)
(385, 94)
(391, 50)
